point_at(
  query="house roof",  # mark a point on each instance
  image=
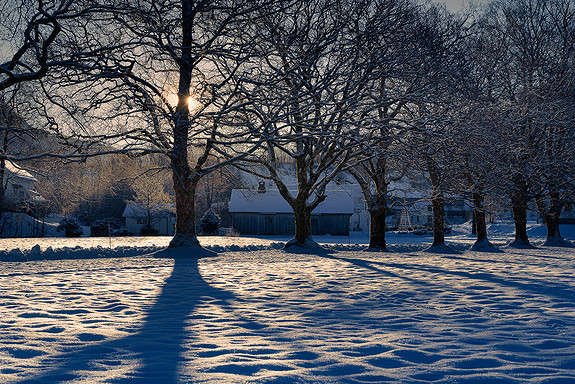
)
(134, 210)
(21, 173)
(249, 201)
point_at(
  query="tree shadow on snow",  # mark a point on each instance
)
(158, 347)
(537, 286)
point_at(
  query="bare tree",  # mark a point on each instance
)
(429, 143)
(151, 198)
(159, 77)
(536, 84)
(307, 97)
(393, 87)
(32, 34)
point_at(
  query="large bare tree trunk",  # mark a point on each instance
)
(374, 172)
(2, 185)
(302, 235)
(519, 206)
(185, 180)
(438, 206)
(185, 193)
(185, 183)
(480, 223)
(377, 216)
(551, 218)
(554, 237)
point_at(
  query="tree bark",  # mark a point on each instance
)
(2, 185)
(480, 223)
(553, 234)
(519, 205)
(551, 217)
(185, 182)
(302, 224)
(438, 206)
(376, 200)
(303, 236)
(185, 192)
(3, 167)
(377, 225)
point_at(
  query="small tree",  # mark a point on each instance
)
(151, 198)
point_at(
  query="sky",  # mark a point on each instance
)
(456, 5)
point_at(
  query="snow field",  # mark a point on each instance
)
(270, 316)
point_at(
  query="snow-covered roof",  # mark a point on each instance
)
(134, 210)
(19, 172)
(249, 201)
(405, 190)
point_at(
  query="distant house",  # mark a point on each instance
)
(19, 185)
(164, 219)
(265, 212)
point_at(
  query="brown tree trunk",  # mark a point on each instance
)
(185, 193)
(480, 222)
(553, 234)
(377, 216)
(551, 218)
(438, 206)
(2, 185)
(185, 182)
(3, 173)
(519, 206)
(302, 237)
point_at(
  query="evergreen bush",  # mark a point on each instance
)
(71, 227)
(210, 223)
(148, 231)
(104, 227)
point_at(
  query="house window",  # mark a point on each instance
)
(19, 191)
(141, 220)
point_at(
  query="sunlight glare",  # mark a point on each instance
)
(193, 103)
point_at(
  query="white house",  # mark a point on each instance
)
(19, 185)
(163, 220)
(265, 212)
(408, 200)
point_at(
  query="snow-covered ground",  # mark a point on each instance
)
(79, 311)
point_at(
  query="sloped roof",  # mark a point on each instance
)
(270, 202)
(19, 172)
(134, 210)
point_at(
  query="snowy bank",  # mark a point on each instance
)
(270, 316)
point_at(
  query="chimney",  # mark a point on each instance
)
(262, 187)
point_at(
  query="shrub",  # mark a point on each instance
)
(122, 231)
(148, 231)
(210, 223)
(104, 227)
(71, 227)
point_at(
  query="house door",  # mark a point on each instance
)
(315, 226)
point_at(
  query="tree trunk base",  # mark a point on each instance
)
(185, 246)
(184, 252)
(377, 248)
(484, 245)
(557, 241)
(181, 240)
(441, 248)
(308, 243)
(520, 244)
